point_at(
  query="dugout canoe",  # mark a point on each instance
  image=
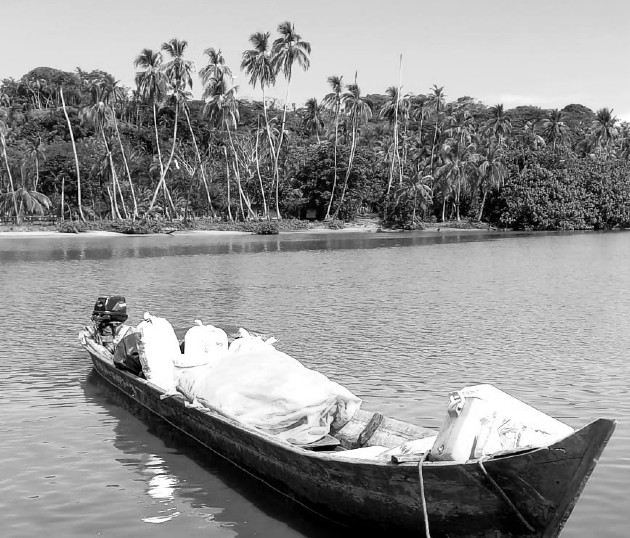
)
(527, 493)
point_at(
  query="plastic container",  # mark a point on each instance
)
(483, 420)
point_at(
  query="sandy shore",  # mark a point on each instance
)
(362, 228)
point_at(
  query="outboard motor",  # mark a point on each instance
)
(108, 316)
(110, 309)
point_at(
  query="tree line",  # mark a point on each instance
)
(81, 146)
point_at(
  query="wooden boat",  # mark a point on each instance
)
(525, 493)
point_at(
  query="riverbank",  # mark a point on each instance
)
(113, 228)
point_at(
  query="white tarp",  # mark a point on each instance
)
(262, 387)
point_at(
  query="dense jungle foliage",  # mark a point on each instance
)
(81, 147)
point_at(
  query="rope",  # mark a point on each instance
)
(425, 515)
(506, 498)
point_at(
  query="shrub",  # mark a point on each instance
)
(72, 227)
(267, 228)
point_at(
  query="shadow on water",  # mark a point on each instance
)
(112, 248)
(233, 488)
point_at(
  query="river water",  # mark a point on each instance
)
(400, 319)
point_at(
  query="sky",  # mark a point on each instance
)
(546, 53)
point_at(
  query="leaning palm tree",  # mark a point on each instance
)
(287, 50)
(258, 64)
(151, 83)
(76, 157)
(359, 110)
(333, 101)
(31, 202)
(178, 73)
(116, 97)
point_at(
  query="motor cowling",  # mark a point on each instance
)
(112, 308)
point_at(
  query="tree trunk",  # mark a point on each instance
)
(334, 186)
(76, 157)
(122, 151)
(242, 196)
(271, 147)
(203, 173)
(483, 201)
(3, 141)
(63, 193)
(115, 212)
(227, 179)
(350, 161)
(277, 156)
(159, 152)
(262, 188)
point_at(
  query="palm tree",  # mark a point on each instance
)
(492, 171)
(221, 110)
(334, 102)
(76, 157)
(359, 110)
(395, 107)
(258, 64)
(100, 115)
(313, 121)
(215, 69)
(458, 161)
(178, 73)
(151, 84)
(287, 50)
(499, 125)
(604, 128)
(436, 101)
(530, 138)
(554, 128)
(115, 95)
(414, 189)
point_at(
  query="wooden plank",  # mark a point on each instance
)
(368, 431)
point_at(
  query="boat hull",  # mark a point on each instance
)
(527, 494)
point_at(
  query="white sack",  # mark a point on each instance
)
(248, 343)
(158, 347)
(203, 344)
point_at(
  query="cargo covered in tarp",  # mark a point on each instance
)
(262, 387)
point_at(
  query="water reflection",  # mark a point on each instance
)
(184, 476)
(61, 248)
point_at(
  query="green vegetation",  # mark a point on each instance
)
(151, 159)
